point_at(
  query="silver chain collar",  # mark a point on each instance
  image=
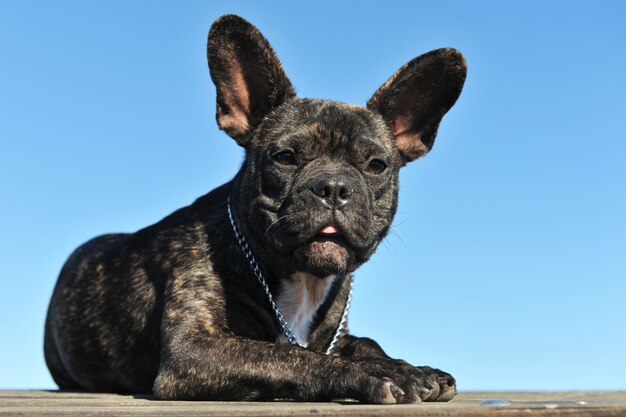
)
(289, 334)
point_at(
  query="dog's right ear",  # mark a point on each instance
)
(248, 77)
(415, 99)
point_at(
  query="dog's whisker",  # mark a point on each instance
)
(397, 236)
(275, 222)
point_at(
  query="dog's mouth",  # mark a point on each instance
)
(329, 242)
(320, 247)
(327, 252)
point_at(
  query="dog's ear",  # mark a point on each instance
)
(415, 98)
(248, 76)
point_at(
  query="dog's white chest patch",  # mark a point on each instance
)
(299, 299)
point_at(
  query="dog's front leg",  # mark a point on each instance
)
(202, 367)
(202, 359)
(418, 382)
(426, 383)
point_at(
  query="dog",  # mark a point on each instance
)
(244, 294)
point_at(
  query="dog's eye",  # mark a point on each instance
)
(376, 166)
(285, 158)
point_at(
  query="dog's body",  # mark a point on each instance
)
(177, 309)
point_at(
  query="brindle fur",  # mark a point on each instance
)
(175, 309)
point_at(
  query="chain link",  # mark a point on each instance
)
(284, 325)
(343, 324)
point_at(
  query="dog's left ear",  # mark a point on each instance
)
(414, 100)
(248, 77)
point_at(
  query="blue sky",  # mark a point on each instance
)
(507, 258)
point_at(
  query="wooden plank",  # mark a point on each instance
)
(466, 404)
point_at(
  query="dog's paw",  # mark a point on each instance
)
(408, 384)
(376, 390)
(444, 384)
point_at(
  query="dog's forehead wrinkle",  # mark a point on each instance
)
(306, 111)
(337, 141)
(317, 126)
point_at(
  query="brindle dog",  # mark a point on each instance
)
(176, 308)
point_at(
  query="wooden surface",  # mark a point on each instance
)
(54, 403)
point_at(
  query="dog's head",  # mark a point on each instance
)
(319, 186)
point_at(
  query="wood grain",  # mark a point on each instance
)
(466, 404)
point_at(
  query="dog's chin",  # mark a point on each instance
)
(324, 256)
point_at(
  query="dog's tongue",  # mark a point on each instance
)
(329, 230)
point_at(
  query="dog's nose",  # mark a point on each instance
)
(333, 191)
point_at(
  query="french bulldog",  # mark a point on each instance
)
(243, 295)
